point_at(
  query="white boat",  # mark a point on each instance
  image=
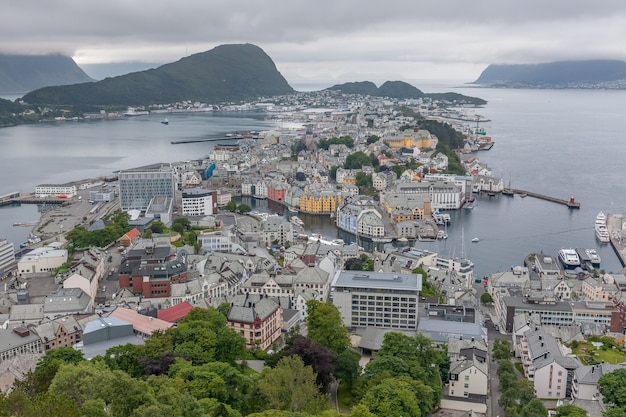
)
(295, 220)
(475, 240)
(593, 256)
(601, 219)
(569, 258)
(292, 209)
(165, 122)
(441, 235)
(602, 233)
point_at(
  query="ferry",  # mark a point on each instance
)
(569, 258)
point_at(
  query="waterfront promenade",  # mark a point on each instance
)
(614, 224)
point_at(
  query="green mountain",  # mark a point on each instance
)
(223, 74)
(554, 74)
(391, 89)
(401, 90)
(22, 73)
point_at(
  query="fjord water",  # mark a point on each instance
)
(60, 152)
(557, 142)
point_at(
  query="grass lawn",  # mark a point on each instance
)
(588, 354)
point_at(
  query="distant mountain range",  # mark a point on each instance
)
(402, 91)
(227, 73)
(561, 74)
(23, 73)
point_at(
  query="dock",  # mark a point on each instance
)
(571, 203)
(178, 142)
(614, 224)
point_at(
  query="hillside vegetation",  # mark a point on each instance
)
(225, 73)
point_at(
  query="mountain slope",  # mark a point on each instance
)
(22, 73)
(560, 73)
(225, 73)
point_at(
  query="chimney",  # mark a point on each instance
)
(545, 355)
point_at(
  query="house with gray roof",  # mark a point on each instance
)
(258, 319)
(103, 333)
(18, 340)
(67, 301)
(546, 364)
(585, 381)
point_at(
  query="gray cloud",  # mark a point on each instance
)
(306, 39)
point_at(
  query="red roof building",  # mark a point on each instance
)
(175, 313)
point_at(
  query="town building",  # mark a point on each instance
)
(18, 341)
(257, 319)
(7, 257)
(199, 202)
(55, 190)
(377, 299)
(140, 185)
(545, 364)
(585, 381)
(42, 259)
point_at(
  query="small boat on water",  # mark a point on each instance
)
(295, 220)
(475, 240)
(441, 235)
(165, 122)
(292, 209)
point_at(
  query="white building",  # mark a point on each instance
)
(53, 190)
(468, 377)
(199, 202)
(545, 365)
(43, 259)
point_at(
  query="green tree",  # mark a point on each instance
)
(291, 386)
(231, 206)
(397, 397)
(181, 225)
(534, 408)
(357, 160)
(325, 326)
(348, 368)
(570, 410)
(485, 298)
(244, 208)
(612, 386)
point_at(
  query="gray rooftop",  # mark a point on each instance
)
(378, 280)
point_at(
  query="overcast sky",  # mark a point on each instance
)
(325, 40)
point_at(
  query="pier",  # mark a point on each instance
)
(571, 203)
(178, 142)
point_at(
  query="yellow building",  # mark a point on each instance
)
(320, 201)
(421, 139)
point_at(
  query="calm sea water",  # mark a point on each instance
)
(557, 142)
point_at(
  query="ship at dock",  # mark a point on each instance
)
(602, 231)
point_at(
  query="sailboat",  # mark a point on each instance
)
(165, 122)
(508, 191)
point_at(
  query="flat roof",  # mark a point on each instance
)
(378, 280)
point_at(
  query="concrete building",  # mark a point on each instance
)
(42, 259)
(140, 185)
(585, 381)
(199, 202)
(7, 257)
(18, 341)
(377, 299)
(55, 190)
